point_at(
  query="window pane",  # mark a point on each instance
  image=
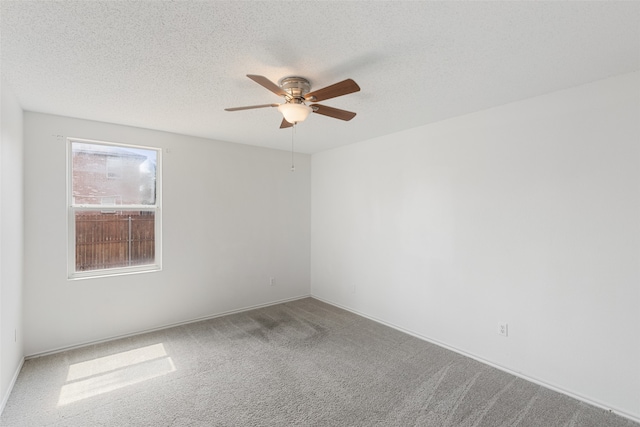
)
(112, 239)
(113, 175)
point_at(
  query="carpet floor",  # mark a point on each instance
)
(301, 363)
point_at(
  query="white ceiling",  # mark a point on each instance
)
(175, 66)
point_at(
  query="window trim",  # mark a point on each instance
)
(72, 208)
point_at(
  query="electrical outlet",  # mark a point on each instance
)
(272, 281)
(503, 329)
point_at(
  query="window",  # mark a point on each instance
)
(114, 208)
(114, 167)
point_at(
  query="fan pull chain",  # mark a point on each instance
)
(293, 131)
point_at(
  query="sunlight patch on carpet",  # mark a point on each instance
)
(105, 374)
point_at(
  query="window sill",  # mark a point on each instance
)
(110, 272)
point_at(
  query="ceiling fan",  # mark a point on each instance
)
(296, 93)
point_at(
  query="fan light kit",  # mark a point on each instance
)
(295, 113)
(296, 92)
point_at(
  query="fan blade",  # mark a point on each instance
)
(285, 124)
(249, 107)
(268, 84)
(333, 112)
(342, 88)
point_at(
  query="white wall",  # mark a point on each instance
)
(11, 238)
(527, 213)
(234, 215)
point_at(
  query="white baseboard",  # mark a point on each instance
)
(7, 393)
(553, 387)
(159, 328)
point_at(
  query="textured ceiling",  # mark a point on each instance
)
(175, 66)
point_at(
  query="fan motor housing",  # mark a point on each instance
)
(298, 87)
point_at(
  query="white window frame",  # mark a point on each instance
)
(73, 208)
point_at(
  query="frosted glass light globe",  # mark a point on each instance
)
(295, 113)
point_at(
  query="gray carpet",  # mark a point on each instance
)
(303, 363)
